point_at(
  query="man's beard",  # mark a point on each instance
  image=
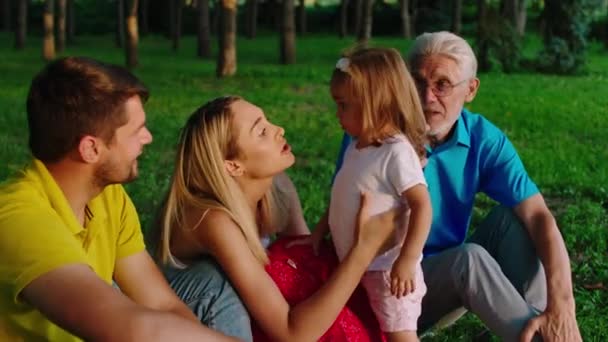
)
(109, 173)
(445, 130)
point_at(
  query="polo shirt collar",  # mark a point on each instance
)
(56, 196)
(59, 202)
(461, 135)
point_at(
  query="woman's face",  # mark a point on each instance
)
(263, 149)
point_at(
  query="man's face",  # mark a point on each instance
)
(443, 90)
(119, 164)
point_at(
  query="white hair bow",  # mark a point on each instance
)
(343, 64)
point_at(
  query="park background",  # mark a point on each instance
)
(543, 72)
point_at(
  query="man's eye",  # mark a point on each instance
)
(443, 84)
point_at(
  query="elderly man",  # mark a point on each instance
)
(513, 272)
(68, 229)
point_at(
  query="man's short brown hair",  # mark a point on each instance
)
(77, 96)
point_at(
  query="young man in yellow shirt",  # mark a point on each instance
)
(68, 229)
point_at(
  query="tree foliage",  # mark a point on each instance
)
(497, 39)
(566, 24)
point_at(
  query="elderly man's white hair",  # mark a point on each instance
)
(447, 44)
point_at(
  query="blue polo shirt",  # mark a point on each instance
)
(478, 157)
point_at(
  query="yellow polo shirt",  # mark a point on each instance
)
(39, 233)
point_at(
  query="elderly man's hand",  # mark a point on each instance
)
(558, 324)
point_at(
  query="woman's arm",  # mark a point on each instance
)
(310, 319)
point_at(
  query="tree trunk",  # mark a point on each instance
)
(483, 47)
(215, 17)
(70, 24)
(120, 23)
(302, 17)
(277, 13)
(226, 63)
(204, 39)
(606, 34)
(144, 27)
(456, 16)
(171, 18)
(521, 18)
(61, 14)
(406, 23)
(359, 4)
(515, 12)
(343, 18)
(132, 35)
(21, 28)
(413, 7)
(367, 16)
(482, 11)
(288, 33)
(177, 30)
(48, 43)
(251, 19)
(6, 15)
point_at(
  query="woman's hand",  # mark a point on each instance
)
(313, 240)
(374, 231)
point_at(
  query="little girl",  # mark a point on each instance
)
(378, 105)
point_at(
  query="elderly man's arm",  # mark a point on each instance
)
(558, 322)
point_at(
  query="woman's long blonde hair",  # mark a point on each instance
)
(389, 101)
(201, 183)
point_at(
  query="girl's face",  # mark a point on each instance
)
(348, 110)
(263, 150)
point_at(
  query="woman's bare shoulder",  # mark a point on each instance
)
(217, 221)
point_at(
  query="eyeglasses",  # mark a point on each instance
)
(440, 88)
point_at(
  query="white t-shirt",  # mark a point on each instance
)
(385, 172)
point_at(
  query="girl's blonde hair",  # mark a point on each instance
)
(389, 102)
(201, 183)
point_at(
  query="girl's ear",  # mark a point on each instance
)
(234, 168)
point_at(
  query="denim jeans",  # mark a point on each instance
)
(205, 288)
(496, 274)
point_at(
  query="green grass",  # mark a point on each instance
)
(557, 123)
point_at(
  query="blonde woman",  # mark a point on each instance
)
(221, 206)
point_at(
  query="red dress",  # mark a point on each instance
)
(298, 273)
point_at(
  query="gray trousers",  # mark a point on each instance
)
(496, 275)
(206, 290)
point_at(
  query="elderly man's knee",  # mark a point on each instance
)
(471, 260)
(472, 252)
(504, 216)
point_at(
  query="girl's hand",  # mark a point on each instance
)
(403, 276)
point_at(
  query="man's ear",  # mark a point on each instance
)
(473, 86)
(234, 168)
(89, 149)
